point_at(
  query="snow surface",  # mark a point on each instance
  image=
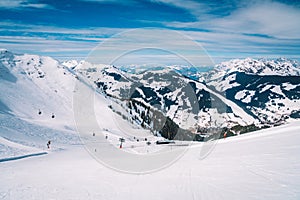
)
(261, 165)
(288, 86)
(277, 90)
(70, 63)
(266, 88)
(35, 105)
(245, 95)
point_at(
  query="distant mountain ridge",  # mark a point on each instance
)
(262, 67)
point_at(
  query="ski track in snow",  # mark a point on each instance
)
(21, 157)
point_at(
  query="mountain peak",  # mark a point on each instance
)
(70, 63)
(3, 50)
(279, 67)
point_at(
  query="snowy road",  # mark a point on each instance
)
(262, 165)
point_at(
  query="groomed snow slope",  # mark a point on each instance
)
(260, 165)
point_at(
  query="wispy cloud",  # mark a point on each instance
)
(194, 7)
(269, 18)
(57, 41)
(229, 29)
(113, 1)
(21, 4)
(59, 49)
(48, 29)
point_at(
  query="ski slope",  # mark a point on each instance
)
(35, 105)
(261, 165)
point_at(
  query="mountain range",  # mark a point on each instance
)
(176, 102)
(235, 96)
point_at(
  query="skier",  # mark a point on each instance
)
(48, 144)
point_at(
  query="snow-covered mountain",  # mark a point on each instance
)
(35, 104)
(33, 84)
(249, 93)
(70, 63)
(269, 90)
(235, 97)
(261, 67)
(184, 103)
(35, 88)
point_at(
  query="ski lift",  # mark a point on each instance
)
(53, 116)
(40, 112)
(121, 140)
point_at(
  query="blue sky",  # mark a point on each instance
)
(67, 29)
